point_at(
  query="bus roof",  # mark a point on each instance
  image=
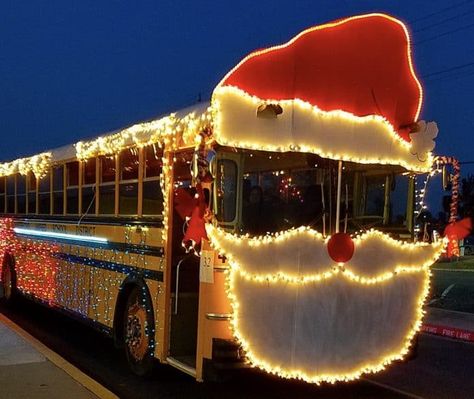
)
(68, 151)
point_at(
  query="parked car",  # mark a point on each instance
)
(468, 245)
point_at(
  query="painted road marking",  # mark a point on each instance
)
(443, 295)
(450, 332)
(83, 379)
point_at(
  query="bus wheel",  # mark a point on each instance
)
(139, 332)
(8, 280)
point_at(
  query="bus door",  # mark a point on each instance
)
(184, 271)
(214, 331)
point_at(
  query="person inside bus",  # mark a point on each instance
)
(256, 215)
(311, 207)
(252, 210)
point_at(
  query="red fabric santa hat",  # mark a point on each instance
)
(360, 65)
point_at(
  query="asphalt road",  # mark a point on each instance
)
(444, 368)
(457, 287)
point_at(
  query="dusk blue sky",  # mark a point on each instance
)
(71, 70)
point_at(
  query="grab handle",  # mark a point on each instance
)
(176, 293)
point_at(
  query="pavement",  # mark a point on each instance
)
(452, 289)
(30, 370)
(451, 310)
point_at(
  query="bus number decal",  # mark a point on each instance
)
(206, 267)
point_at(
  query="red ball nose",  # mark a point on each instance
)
(341, 247)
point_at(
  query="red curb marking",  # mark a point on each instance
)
(450, 332)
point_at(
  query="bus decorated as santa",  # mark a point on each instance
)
(274, 227)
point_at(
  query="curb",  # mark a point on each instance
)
(450, 332)
(87, 382)
(441, 269)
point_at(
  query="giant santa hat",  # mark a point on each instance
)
(346, 90)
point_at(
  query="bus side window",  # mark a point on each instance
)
(44, 194)
(20, 193)
(2, 194)
(107, 185)
(72, 188)
(58, 190)
(31, 187)
(11, 194)
(88, 187)
(400, 185)
(152, 195)
(128, 186)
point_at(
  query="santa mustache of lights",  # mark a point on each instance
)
(299, 314)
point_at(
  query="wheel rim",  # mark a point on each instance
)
(7, 283)
(136, 338)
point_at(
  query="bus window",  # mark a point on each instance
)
(11, 194)
(107, 185)
(226, 190)
(128, 186)
(378, 197)
(284, 190)
(72, 187)
(129, 164)
(373, 199)
(58, 190)
(44, 192)
(20, 193)
(31, 180)
(153, 160)
(399, 187)
(152, 195)
(88, 187)
(2, 194)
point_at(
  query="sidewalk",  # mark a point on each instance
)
(30, 370)
(449, 323)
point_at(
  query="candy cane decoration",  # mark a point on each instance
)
(453, 207)
(453, 246)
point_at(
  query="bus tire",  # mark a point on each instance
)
(139, 331)
(8, 279)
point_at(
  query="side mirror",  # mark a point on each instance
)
(202, 166)
(447, 179)
(212, 160)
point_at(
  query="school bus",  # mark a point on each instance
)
(271, 227)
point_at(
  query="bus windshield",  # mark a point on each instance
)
(377, 196)
(287, 190)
